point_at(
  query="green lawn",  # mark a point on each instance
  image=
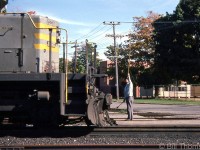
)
(165, 101)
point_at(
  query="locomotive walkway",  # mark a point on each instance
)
(153, 115)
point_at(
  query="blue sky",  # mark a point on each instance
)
(80, 17)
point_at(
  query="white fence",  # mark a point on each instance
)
(175, 91)
(169, 91)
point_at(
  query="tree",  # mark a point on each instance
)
(122, 61)
(81, 61)
(70, 69)
(177, 37)
(140, 48)
(81, 58)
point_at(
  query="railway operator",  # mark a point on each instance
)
(128, 97)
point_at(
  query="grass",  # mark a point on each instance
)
(165, 101)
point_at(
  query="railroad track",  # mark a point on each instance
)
(104, 147)
(100, 138)
(91, 131)
(82, 147)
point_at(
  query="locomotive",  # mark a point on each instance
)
(32, 90)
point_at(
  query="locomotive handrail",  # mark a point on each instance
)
(50, 28)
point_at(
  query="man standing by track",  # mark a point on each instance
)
(128, 97)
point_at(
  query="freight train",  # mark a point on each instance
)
(32, 90)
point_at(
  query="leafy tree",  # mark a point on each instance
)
(140, 48)
(177, 39)
(81, 61)
(81, 58)
(122, 61)
(60, 64)
(109, 54)
(70, 69)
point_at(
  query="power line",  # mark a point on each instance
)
(164, 22)
(102, 40)
(100, 34)
(91, 36)
(104, 44)
(90, 32)
(134, 22)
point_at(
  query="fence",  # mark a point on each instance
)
(169, 91)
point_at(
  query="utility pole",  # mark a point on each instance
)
(113, 24)
(64, 59)
(86, 55)
(75, 61)
(95, 59)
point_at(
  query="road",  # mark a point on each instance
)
(167, 109)
(155, 115)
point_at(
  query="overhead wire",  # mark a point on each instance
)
(92, 32)
(104, 42)
(101, 29)
(92, 37)
(165, 22)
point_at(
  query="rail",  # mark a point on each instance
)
(101, 138)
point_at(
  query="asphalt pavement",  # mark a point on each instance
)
(154, 115)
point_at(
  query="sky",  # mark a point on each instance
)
(84, 19)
